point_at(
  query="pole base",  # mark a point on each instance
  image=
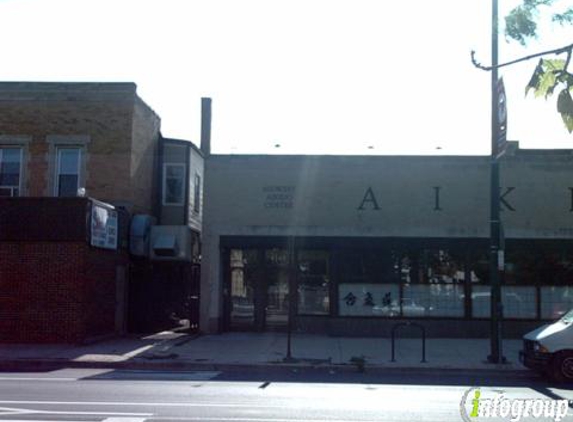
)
(491, 360)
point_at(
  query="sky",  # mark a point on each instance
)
(294, 76)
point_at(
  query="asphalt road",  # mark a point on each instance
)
(280, 396)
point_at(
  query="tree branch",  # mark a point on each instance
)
(567, 61)
(567, 49)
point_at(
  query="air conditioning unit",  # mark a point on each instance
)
(170, 243)
(140, 234)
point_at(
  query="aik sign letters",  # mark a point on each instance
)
(283, 197)
(369, 201)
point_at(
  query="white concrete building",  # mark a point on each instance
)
(353, 244)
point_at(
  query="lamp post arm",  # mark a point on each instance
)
(566, 49)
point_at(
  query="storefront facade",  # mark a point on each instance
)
(365, 242)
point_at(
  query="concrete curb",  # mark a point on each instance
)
(182, 365)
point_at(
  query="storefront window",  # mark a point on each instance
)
(519, 302)
(368, 266)
(556, 301)
(362, 299)
(397, 283)
(481, 301)
(553, 267)
(433, 284)
(518, 291)
(368, 283)
(478, 261)
(521, 266)
(446, 300)
(313, 283)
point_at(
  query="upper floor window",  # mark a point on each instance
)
(68, 171)
(173, 184)
(197, 194)
(68, 158)
(10, 171)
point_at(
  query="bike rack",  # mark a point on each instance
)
(407, 324)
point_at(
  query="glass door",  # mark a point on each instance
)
(243, 263)
(276, 286)
(258, 289)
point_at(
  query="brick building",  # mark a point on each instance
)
(99, 140)
(54, 286)
(58, 137)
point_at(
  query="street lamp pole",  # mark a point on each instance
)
(495, 262)
(291, 295)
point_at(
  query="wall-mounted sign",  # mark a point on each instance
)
(103, 226)
(278, 197)
(368, 299)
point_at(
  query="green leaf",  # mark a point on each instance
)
(565, 102)
(565, 108)
(563, 18)
(534, 81)
(546, 85)
(519, 24)
(553, 64)
(547, 75)
(535, 3)
(568, 120)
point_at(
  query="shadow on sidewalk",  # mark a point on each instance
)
(100, 351)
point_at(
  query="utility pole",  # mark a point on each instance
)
(496, 253)
(291, 297)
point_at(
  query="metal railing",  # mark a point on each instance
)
(407, 324)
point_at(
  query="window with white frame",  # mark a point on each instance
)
(10, 171)
(197, 194)
(173, 184)
(68, 165)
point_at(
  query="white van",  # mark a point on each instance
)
(549, 349)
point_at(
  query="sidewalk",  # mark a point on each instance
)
(170, 351)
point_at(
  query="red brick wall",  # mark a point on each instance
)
(53, 292)
(42, 291)
(101, 268)
(54, 287)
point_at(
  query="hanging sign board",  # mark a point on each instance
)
(501, 118)
(103, 226)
